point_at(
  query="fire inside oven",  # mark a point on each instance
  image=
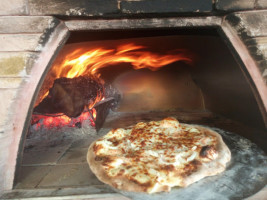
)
(104, 80)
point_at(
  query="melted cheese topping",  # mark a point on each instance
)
(155, 154)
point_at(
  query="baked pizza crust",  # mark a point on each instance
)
(213, 167)
(203, 169)
(119, 182)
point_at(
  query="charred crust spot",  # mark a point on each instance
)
(106, 161)
(146, 185)
(191, 167)
(114, 130)
(115, 185)
(196, 163)
(114, 142)
(97, 147)
(121, 172)
(130, 154)
(206, 150)
(167, 167)
(170, 119)
(98, 158)
(131, 138)
(143, 143)
(166, 188)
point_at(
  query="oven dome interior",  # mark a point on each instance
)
(214, 82)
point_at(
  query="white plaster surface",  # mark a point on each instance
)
(13, 7)
(24, 24)
(19, 42)
(7, 97)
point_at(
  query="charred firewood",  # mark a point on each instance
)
(70, 96)
(102, 109)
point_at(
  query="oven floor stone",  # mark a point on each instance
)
(44, 155)
(56, 164)
(69, 175)
(74, 156)
(84, 143)
(31, 176)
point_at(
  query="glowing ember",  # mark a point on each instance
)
(62, 120)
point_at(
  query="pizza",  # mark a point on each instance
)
(157, 155)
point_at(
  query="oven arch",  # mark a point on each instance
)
(20, 122)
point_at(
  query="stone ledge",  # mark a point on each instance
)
(249, 24)
(107, 24)
(73, 7)
(261, 4)
(19, 42)
(13, 7)
(251, 27)
(236, 5)
(25, 24)
(165, 6)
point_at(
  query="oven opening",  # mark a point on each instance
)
(110, 79)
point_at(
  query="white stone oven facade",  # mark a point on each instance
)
(32, 32)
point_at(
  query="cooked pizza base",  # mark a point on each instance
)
(158, 155)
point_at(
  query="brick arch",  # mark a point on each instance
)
(241, 31)
(54, 35)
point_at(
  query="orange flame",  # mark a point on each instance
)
(98, 98)
(94, 113)
(81, 63)
(90, 62)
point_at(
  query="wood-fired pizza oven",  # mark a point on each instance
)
(74, 70)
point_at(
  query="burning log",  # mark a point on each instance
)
(102, 109)
(75, 87)
(71, 95)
